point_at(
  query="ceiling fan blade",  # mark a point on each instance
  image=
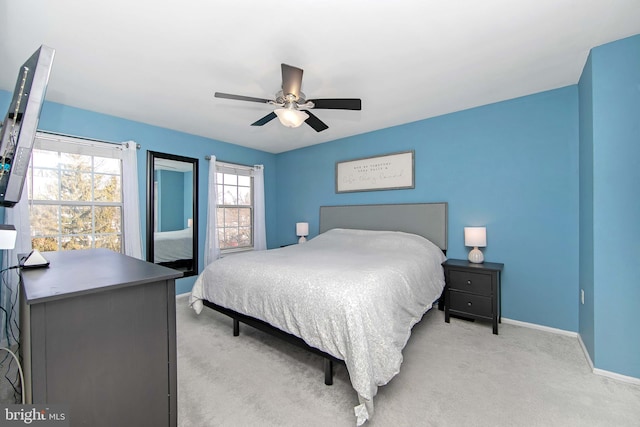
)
(315, 122)
(241, 98)
(338, 103)
(265, 119)
(291, 80)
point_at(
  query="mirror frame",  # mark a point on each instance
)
(151, 157)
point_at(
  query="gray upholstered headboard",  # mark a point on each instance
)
(425, 219)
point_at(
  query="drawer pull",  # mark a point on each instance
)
(468, 282)
(469, 304)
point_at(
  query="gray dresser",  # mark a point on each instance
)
(98, 334)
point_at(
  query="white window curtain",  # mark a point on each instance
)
(131, 200)
(211, 243)
(17, 216)
(259, 227)
(127, 153)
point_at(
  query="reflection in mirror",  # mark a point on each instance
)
(172, 211)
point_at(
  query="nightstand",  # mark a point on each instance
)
(472, 290)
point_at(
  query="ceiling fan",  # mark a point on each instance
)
(293, 107)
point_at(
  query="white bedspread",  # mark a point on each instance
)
(354, 294)
(172, 245)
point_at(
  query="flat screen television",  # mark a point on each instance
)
(21, 123)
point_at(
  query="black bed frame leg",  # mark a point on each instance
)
(328, 371)
(236, 327)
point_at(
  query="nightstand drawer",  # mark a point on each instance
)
(472, 290)
(476, 283)
(469, 303)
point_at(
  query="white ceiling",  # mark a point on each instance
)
(160, 62)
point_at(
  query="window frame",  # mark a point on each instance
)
(87, 147)
(238, 170)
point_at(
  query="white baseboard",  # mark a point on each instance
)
(605, 373)
(540, 327)
(586, 353)
(616, 376)
(597, 371)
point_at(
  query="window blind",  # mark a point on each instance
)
(234, 169)
(52, 142)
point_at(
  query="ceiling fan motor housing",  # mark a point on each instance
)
(294, 106)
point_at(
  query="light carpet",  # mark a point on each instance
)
(456, 374)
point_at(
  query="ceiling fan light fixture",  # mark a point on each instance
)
(292, 106)
(290, 117)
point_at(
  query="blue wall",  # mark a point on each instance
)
(553, 176)
(172, 211)
(73, 121)
(512, 166)
(586, 311)
(615, 143)
(187, 202)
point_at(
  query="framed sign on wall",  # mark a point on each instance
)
(392, 171)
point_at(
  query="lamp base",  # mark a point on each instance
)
(475, 256)
(301, 240)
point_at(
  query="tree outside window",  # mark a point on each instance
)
(75, 201)
(235, 210)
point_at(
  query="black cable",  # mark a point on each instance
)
(6, 316)
(2, 301)
(8, 313)
(10, 321)
(14, 303)
(15, 383)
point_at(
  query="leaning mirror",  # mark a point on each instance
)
(172, 211)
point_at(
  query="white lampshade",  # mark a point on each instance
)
(302, 230)
(477, 238)
(8, 235)
(290, 117)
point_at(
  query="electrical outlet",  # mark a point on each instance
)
(582, 296)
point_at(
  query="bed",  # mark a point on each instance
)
(351, 294)
(173, 248)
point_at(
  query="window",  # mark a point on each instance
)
(75, 194)
(234, 206)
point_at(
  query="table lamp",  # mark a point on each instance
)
(475, 237)
(302, 230)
